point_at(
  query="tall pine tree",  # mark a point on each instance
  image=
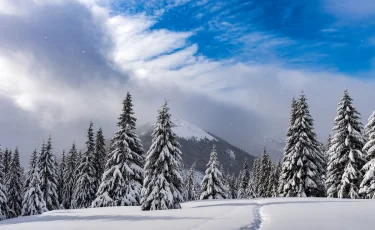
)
(212, 183)
(15, 192)
(122, 180)
(190, 188)
(86, 185)
(243, 181)
(100, 155)
(7, 160)
(163, 184)
(48, 175)
(345, 158)
(32, 168)
(33, 202)
(61, 179)
(367, 187)
(4, 209)
(264, 174)
(70, 177)
(303, 163)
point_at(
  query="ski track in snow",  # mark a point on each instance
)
(257, 222)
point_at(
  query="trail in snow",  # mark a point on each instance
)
(257, 222)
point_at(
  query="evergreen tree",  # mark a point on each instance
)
(4, 209)
(70, 177)
(345, 155)
(232, 186)
(86, 185)
(255, 175)
(275, 180)
(48, 175)
(122, 180)
(61, 180)
(250, 190)
(33, 202)
(264, 174)
(7, 160)
(367, 187)
(303, 162)
(32, 168)
(243, 181)
(15, 191)
(190, 188)
(163, 184)
(212, 183)
(100, 155)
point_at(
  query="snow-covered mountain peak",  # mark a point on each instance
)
(184, 129)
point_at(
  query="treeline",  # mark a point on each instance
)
(127, 176)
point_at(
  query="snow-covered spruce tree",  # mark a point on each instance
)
(86, 185)
(48, 175)
(122, 180)
(4, 209)
(264, 174)
(7, 159)
(288, 141)
(255, 175)
(32, 168)
(69, 177)
(190, 188)
(303, 163)
(225, 181)
(367, 186)
(250, 190)
(33, 201)
(232, 186)
(100, 155)
(275, 180)
(243, 181)
(15, 192)
(345, 158)
(163, 184)
(61, 180)
(212, 183)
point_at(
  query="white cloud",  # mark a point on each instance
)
(351, 9)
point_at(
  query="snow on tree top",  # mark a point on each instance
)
(186, 130)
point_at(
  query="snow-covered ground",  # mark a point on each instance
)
(277, 213)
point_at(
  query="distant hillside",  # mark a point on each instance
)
(196, 145)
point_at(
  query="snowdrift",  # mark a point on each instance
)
(277, 213)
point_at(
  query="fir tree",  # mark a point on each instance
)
(345, 155)
(250, 190)
(243, 181)
(32, 168)
(163, 184)
(212, 183)
(48, 176)
(33, 202)
(255, 175)
(122, 180)
(7, 160)
(86, 185)
(61, 180)
(264, 174)
(15, 192)
(367, 187)
(70, 177)
(275, 180)
(232, 186)
(190, 188)
(4, 209)
(100, 155)
(303, 162)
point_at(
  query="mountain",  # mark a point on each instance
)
(196, 145)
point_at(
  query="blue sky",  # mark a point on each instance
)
(308, 34)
